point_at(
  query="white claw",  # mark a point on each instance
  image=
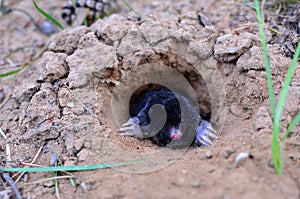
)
(208, 126)
(212, 135)
(204, 144)
(124, 134)
(206, 133)
(207, 140)
(126, 124)
(127, 128)
(131, 121)
(211, 129)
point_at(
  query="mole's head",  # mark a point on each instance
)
(175, 133)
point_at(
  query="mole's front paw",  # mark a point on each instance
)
(205, 133)
(131, 128)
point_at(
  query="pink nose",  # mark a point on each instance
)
(176, 135)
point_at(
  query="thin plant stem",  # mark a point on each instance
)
(292, 125)
(266, 59)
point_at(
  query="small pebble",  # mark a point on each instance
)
(70, 162)
(54, 159)
(88, 144)
(179, 182)
(235, 110)
(69, 142)
(49, 183)
(78, 143)
(211, 170)
(223, 37)
(184, 171)
(45, 149)
(48, 27)
(28, 157)
(255, 178)
(204, 20)
(208, 155)
(70, 104)
(39, 43)
(83, 155)
(196, 184)
(25, 178)
(262, 119)
(84, 187)
(228, 151)
(271, 164)
(241, 157)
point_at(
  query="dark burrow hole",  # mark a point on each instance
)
(194, 87)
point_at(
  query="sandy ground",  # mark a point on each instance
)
(72, 100)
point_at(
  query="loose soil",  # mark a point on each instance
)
(72, 100)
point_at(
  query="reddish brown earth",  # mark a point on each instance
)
(63, 101)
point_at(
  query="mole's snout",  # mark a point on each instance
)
(175, 134)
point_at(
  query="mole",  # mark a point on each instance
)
(157, 115)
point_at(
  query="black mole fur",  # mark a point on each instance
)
(165, 97)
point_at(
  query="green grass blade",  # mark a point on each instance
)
(11, 72)
(137, 13)
(266, 58)
(280, 105)
(291, 126)
(72, 182)
(56, 184)
(71, 168)
(49, 17)
(276, 150)
(277, 155)
(287, 81)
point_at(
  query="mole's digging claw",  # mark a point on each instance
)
(131, 128)
(212, 135)
(131, 121)
(206, 141)
(205, 133)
